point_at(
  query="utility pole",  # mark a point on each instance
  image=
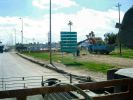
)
(119, 5)
(33, 40)
(70, 24)
(21, 30)
(12, 40)
(15, 35)
(50, 44)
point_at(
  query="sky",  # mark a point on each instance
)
(99, 16)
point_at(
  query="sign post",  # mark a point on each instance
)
(69, 42)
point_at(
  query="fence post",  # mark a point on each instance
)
(70, 78)
(42, 81)
(3, 83)
(23, 80)
(5, 86)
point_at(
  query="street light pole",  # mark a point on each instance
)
(22, 30)
(119, 5)
(15, 35)
(50, 45)
(70, 24)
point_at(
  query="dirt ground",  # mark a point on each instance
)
(120, 62)
(82, 72)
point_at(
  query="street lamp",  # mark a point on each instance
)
(70, 24)
(119, 5)
(15, 35)
(50, 45)
(21, 30)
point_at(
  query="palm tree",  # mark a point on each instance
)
(91, 35)
(70, 24)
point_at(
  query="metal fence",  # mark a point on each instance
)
(18, 82)
(11, 83)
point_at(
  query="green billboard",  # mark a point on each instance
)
(68, 42)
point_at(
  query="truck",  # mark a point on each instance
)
(101, 48)
(1, 47)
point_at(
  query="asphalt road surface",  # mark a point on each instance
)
(12, 65)
(13, 68)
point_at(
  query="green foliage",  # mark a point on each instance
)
(126, 53)
(91, 35)
(98, 67)
(110, 38)
(37, 55)
(71, 61)
(90, 65)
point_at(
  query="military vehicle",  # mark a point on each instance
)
(1, 47)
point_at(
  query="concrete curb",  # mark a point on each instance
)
(54, 68)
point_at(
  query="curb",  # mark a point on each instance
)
(54, 68)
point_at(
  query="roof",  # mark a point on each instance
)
(128, 72)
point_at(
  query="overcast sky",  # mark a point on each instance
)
(99, 16)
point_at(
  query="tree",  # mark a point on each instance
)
(110, 38)
(91, 35)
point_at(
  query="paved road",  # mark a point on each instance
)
(11, 65)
